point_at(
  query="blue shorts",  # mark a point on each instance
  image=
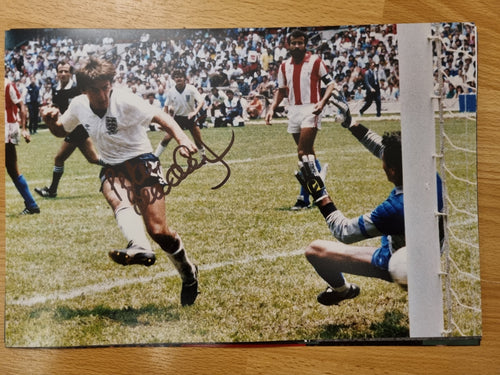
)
(381, 258)
(382, 255)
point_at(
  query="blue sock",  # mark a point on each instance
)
(303, 191)
(22, 186)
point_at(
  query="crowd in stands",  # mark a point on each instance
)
(244, 61)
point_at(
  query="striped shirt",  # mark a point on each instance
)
(303, 80)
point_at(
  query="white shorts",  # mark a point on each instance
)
(12, 132)
(301, 116)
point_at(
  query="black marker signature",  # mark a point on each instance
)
(175, 174)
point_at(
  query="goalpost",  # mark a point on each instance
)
(420, 198)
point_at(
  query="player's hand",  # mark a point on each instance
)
(343, 108)
(310, 178)
(50, 115)
(26, 135)
(188, 148)
(318, 108)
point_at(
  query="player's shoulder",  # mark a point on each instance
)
(394, 204)
(122, 95)
(80, 99)
(192, 88)
(388, 217)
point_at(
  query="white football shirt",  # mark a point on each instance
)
(120, 134)
(183, 103)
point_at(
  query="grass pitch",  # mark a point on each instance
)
(256, 285)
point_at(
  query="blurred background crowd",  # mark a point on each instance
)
(244, 61)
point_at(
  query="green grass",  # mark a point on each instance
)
(255, 282)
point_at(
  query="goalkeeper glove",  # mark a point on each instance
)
(344, 111)
(310, 178)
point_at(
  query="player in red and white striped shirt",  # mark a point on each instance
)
(299, 79)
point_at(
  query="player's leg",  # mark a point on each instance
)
(368, 102)
(378, 103)
(11, 161)
(201, 118)
(305, 146)
(331, 259)
(66, 150)
(18, 179)
(118, 192)
(88, 150)
(196, 134)
(33, 117)
(154, 215)
(62, 155)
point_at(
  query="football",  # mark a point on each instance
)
(398, 267)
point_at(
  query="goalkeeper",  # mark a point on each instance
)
(330, 258)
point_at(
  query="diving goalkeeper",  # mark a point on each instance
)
(331, 258)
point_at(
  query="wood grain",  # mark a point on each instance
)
(483, 359)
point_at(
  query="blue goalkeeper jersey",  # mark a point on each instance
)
(385, 221)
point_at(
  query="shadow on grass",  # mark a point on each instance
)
(394, 325)
(127, 316)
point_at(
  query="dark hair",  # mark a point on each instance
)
(297, 33)
(392, 150)
(179, 73)
(64, 62)
(95, 70)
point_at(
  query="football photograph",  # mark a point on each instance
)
(242, 186)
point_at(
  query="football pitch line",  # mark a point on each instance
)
(106, 286)
(236, 161)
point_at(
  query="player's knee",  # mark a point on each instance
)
(169, 242)
(314, 251)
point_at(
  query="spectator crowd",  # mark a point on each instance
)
(244, 62)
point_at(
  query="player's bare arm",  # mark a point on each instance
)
(318, 107)
(279, 95)
(23, 114)
(50, 116)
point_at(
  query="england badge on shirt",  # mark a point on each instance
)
(111, 125)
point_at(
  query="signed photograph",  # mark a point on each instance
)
(241, 186)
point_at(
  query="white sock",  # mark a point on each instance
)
(159, 150)
(202, 151)
(342, 289)
(130, 223)
(182, 263)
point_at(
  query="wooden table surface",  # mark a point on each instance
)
(483, 359)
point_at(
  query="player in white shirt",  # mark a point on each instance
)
(300, 78)
(117, 120)
(184, 102)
